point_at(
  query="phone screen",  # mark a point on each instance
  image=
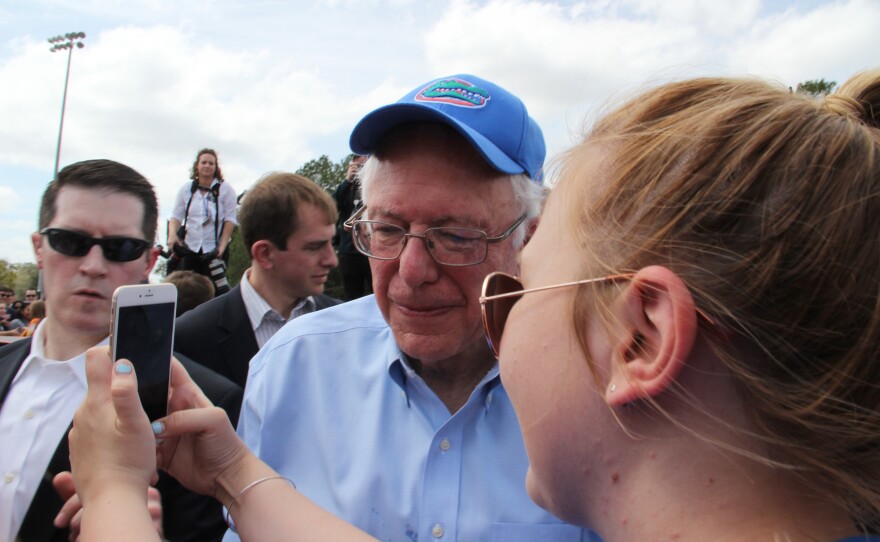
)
(144, 336)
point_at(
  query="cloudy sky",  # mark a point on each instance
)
(272, 84)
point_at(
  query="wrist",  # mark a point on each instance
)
(127, 489)
(238, 475)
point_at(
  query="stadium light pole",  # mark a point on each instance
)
(67, 41)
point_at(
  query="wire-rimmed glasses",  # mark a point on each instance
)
(448, 245)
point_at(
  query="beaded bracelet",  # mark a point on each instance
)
(258, 481)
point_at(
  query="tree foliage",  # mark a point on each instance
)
(324, 172)
(816, 87)
(18, 276)
(239, 259)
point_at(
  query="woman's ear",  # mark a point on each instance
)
(658, 326)
(261, 253)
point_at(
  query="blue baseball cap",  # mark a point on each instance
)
(495, 122)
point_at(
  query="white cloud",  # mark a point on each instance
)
(832, 42)
(8, 199)
(271, 84)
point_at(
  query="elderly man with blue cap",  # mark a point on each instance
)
(388, 410)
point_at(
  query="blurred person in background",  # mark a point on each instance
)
(193, 289)
(202, 219)
(357, 279)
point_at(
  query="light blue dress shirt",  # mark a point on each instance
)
(331, 404)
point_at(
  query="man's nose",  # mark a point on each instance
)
(416, 265)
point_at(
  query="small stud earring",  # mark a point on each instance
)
(612, 388)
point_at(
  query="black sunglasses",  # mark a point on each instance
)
(115, 249)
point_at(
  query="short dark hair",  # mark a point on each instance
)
(108, 176)
(193, 289)
(269, 211)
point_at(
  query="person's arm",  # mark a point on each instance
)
(173, 226)
(225, 236)
(228, 205)
(271, 505)
(111, 454)
(177, 216)
(70, 515)
(199, 434)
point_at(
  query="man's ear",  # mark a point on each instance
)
(37, 241)
(658, 327)
(152, 256)
(262, 252)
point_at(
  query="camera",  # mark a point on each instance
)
(217, 269)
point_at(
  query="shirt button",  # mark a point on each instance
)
(9, 477)
(444, 444)
(29, 414)
(437, 531)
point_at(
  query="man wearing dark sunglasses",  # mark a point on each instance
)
(388, 410)
(97, 223)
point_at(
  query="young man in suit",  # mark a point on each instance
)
(97, 226)
(287, 224)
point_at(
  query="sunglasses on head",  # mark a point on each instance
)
(115, 249)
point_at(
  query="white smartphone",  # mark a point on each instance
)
(142, 331)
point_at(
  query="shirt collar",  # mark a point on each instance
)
(37, 356)
(400, 370)
(257, 307)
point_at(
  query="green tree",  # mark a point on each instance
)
(816, 87)
(324, 172)
(25, 277)
(7, 274)
(18, 276)
(239, 259)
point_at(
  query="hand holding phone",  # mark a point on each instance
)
(142, 331)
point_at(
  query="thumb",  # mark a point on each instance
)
(98, 372)
(209, 420)
(124, 391)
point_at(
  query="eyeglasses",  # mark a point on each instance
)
(455, 247)
(115, 249)
(501, 291)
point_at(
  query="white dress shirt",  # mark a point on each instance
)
(38, 409)
(200, 233)
(266, 321)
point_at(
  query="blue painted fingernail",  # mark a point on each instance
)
(158, 428)
(123, 368)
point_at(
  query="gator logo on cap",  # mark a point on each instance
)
(455, 92)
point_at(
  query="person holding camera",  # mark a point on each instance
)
(202, 221)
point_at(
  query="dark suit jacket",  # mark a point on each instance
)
(218, 334)
(186, 515)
